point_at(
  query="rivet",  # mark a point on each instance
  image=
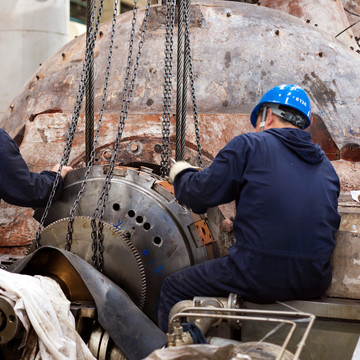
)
(157, 148)
(277, 32)
(316, 24)
(101, 33)
(12, 107)
(37, 77)
(134, 147)
(321, 54)
(228, 14)
(63, 55)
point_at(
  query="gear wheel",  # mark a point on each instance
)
(122, 261)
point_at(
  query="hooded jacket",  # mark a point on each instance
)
(286, 194)
(18, 185)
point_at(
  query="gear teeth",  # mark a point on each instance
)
(124, 238)
(139, 262)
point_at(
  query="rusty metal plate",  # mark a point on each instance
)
(232, 72)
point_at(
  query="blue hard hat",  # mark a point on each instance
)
(292, 96)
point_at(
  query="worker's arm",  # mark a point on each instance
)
(18, 185)
(218, 184)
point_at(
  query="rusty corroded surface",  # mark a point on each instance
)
(328, 16)
(234, 69)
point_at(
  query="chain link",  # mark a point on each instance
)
(170, 23)
(127, 96)
(90, 44)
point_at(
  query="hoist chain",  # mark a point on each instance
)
(99, 124)
(192, 82)
(97, 234)
(170, 22)
(94, 227)
(90, 44)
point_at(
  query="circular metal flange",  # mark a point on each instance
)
(9, 322)
(167, 235)
(122, 262)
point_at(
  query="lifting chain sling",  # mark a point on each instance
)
(192, 84)
(90, 163)
(97, 229)
(184, 73)
(127, 95)
(90, 44)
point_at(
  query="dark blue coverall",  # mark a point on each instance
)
(286, 194)
(18, 185)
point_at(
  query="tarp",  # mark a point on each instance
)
(42, 307)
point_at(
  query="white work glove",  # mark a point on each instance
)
(176, 168)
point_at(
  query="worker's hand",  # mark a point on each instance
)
(176, 168)
(64, 170)
(227, 225)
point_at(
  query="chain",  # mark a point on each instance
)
(90, 44)
(170, 22)
(92, 154)
(94, 241)
(127, 96)
(192, 82)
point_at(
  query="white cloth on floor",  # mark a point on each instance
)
(41, 304)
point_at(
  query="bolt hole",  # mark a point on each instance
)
(147, 226)
(203, 230)
(116, 207)
(12, 318)
(139, 219)
(157, 241)
(127, 235)
(131, 213)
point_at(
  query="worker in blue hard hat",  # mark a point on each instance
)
(289, 102)
(286, 193)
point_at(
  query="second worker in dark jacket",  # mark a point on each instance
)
(286, 193)
(20, 186)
